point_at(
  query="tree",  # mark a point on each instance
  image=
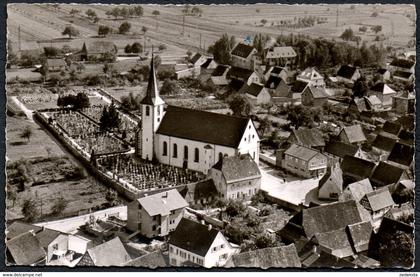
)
(144, 29)
(234, 208)
(299, 116)
(109, 118)
(221, 49)
(74, 12)
(111, 196)
(156, 13)
(70, 31)
(59, 206)
(81, 101)
(264, 125)
(157, 61)
(124, 27)
(170, 87)
(240, 106)
(136, 48)
(347, 34)
(186, 9)
(29, 210)
(51, 51)
(27, 133)
(360, 88)
(91, 14)
(265, 241)
(376, 28)
(196, 11)
(103, 30)
(263, 21)
(138, 11)
(43, 70)
(11, 194)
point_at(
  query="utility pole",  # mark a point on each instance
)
(183, 24)
(336, 19)
(200, 42)
(20, 49)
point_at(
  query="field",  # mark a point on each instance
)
(200, 32)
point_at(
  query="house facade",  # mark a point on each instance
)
(314, 96)
(384, 93)
(281, 55)
(304, 161)
(330, 186)
(244, 56)
(256, 93)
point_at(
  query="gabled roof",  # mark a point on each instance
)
(196, 57)
(360, 104)
(236, 168)
(283, 256)
(46, 236)
(152, 92)
(357, 167)
(340, 149)
(377, 200)
(17, 228)
(254, 89)
(25, 249)
(162, 203)
(363, 261)
(407, 121)
(99, 47)
(239, 73)
(330, 217)
(152, 260)
(386, 174)
(193, 237)
(301, 152)
(242, 50)
(336, 241)
(383, 88)
(298, 86)
(354, 133)
(360, 233)
(346, 71)
(207, 63)
(401, 154)
(110, 253)
(334, 175)
(309, 137)
(406, 137)
(317, 92)
(273, 82)
(220, 70)
(277, 70)
(310, 74)
(372, 101)
(208, 127)
(384, 143)
(281, 52)
(324, 259)
(382, 71)
(391, 127)
(356, 190)
(402, 74)
(407, 64)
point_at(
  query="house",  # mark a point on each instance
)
(403, 77)
(209, 64)
(198, 60)
(384, 93)
(244, 56)
(205, 246)
(54, 65)
(277, 87)
(403, 191)
(304, 161)
(363, 261)
(17, 228)
(202, 192)
(377, 202)
(280, 55)
(96, 50)
(219, 75)
(352, 135)
(404, 103)
(386, 174)
(297, 89)
(383, 74)
(356, 169)
(314, 96)
(337, 150)
(236, 177)
(156, 215)
(402, 65)
(273, 257)
(356, 191)
(110, 253)
(244, 75)
(382, 146)
(24, 249)
(53, 242)
(198, 142)
(359, 106)
(312, 77)
(401, 155)
(308, 137)
(373, 103)
(256, 93)
(391, 129)
(348, 74)
(330, 186)
(152, 260)
(277, 71)
(406, 137)
(407, 121)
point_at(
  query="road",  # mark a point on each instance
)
(21, 106)
(70, 225)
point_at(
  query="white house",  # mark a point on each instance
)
(256, 93)
(244, 56)
(384, 93)
(219, 75)
(200, 244)
(280, 55)
(312, 77)
(190, 138)
(348, 74)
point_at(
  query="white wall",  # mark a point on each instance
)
(149, 126)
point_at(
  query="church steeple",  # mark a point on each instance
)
(152, 92)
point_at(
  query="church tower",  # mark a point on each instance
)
(151, 115)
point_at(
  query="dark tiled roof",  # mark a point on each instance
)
(406, 137)
(207, 63)
(203, 126)
(360, 234)
(236, 168)
(239, 73)
(25, 249)
(356, 191)
(346, 71)
(152, 260)
(382, 71)
(220, 70)
(330, 217)
(402, 74)
(391, 127)
(407, 121)
(195, 58)
(340, 149)
(242, 50)
(17, 228)
(335, 240)
(402, 63)
(309, 137)
(277, 70)
(384, 143)
(401, 154)
(324, 259)
(152, 94)
(386, 174)
(46, 236)
(255, 89)
(283, 256)
(273, 82)
(317, 92)
(193, 237)
(354, 133)
(377, 200)
(201, 190)
(298, 86)
(356, 166)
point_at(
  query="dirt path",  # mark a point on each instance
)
(22, 106)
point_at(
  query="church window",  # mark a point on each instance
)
(196, 155)
(185, 152)
(220, 156)
(175, 151)
(165, 148)
(158, 110)
(147, 110)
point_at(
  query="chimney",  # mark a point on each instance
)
(209, 227)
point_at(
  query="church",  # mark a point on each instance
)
(189, 138)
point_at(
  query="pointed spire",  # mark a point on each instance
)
(152, 93)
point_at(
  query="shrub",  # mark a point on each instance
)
(59, 206)
(29, 210)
